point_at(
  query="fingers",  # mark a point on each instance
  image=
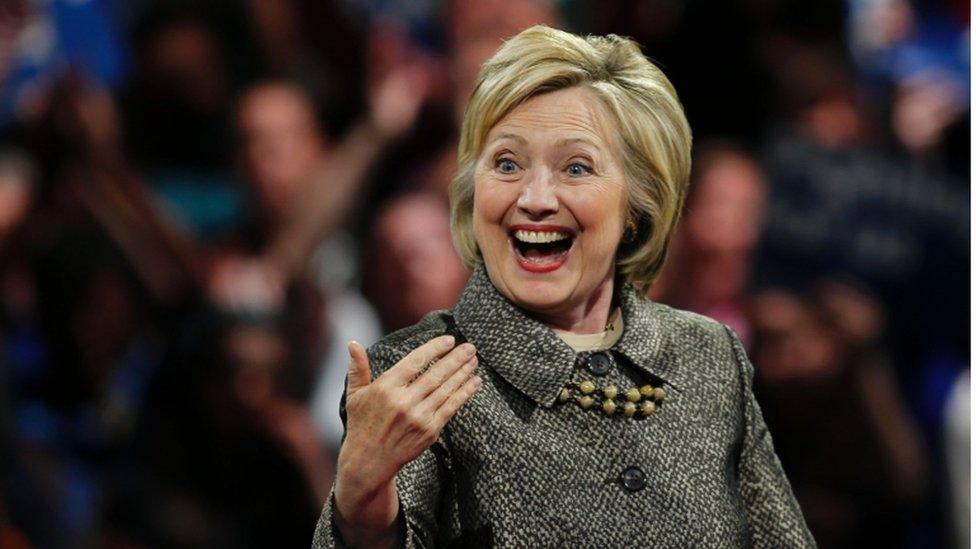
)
(454, 381)
(442, 370)
(403, 372)
(359, 375)
(457, 399)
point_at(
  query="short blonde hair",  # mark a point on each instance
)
(654, 134)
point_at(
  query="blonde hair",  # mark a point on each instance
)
(654, 134)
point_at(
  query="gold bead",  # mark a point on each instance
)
(609, 407)
(629, 409)
(633, 394)
(610, 391)
(659, 393)
(564, 395)
(586, 402)
(647, 408)
(587, 387)
(646, 391)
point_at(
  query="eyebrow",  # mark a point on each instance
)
(573, 140)
(560, 143)
(521, 140)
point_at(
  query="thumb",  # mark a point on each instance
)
(359, 376)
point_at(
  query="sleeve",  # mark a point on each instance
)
(773, 514)
(420, 486)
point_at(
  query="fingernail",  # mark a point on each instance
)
(469, 349)
(447, 342)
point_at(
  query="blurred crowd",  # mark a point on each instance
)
(201, 203)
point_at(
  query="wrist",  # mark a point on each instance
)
(367, 520)
(358, 484)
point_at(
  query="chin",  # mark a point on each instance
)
(540, 295)
(546, 293)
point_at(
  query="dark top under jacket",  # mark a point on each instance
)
(524, 464)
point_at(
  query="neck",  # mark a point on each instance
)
(590, 316)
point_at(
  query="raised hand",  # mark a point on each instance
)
(399, 81)
(390, 421)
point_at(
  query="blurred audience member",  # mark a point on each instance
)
(826, 388)
(840, 204)
(284, 154)
(854, 456)
(108, 272)
(177, 120)
(711, 261)
(412, 268)
(334, 65)
(918, 55)
(41, 41)
(28, 508)
(305, 191)
(235, 461)
(283, 144)
(475, 29)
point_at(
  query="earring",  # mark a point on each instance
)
(630, 230)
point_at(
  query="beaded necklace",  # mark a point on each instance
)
(634, 401)
(645, 399)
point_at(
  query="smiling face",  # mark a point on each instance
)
(550, 201)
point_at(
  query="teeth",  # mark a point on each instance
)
(540, 237)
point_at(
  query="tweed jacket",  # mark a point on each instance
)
(523, 464)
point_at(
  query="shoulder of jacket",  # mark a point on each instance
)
(394, 346)
(696, 333)
(689, 324)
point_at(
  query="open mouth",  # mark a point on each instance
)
(541, 249)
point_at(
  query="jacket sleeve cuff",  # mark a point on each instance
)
(327, 535)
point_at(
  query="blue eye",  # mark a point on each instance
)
(506, 165)
(577, 169)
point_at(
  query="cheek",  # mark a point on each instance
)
(601, 214)
(491, 204)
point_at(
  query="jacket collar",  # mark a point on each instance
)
(533, 359)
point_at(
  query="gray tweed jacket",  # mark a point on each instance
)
(524, 464)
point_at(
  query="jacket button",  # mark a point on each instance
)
(599, 364)
(633, 479)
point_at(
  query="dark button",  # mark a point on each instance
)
(599, 364)
(633, 479)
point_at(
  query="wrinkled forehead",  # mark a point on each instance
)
(575, 115)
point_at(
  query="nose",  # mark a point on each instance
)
(538, 198)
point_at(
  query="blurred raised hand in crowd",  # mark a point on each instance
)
(202, 203)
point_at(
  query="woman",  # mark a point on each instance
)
(596, 417)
